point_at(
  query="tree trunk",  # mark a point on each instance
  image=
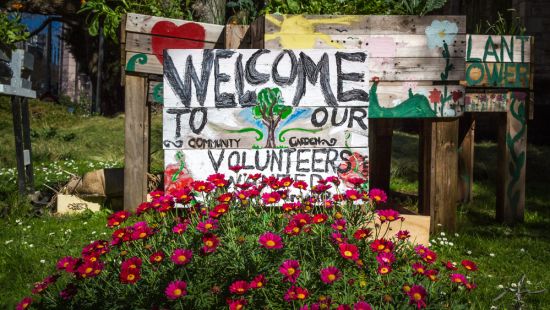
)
(271, 136)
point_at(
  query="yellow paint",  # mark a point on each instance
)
(299, 32)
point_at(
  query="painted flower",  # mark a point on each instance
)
(271, 241)
(378, 195)
(362, 305)
(258, 282)
(156, 257)
(238, 287)
(24, 303)
(290, 269)
(330, 274)
(182, 256)
(417, 295)
(236, 304)
(176, 176)
(176, 289)
(469, 265)
(435, 95)
(457, 94)
(357, 166)
(389, 215)
(349, 251)
(361, 234)
(440, 32)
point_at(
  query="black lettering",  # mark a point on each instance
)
(315, 121)
(358, 118)
(248, 98)
(251, 74)
(231, 156)
(332, 156)
(320, 71)
(335, 113)
(245, 167)
(300, 161)
(354, 94)
(216, 163)
(288, 161)
(257, 160)
(223, 100)
(195, 129)
(178, 113)
(278, 159)
(315, 160)
(346, 167)
(283, 81)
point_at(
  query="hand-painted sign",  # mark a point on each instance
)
(302, 113)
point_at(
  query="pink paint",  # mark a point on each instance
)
(381, 47)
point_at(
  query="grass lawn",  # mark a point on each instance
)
(62, 142)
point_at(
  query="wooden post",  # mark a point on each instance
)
(512, 153)
(27, 149)
(466, 138)
(136, 130)
(380, 144)
(96, 106)
(439, 173)
(237, 36)
(17, 131)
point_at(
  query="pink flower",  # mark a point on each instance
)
(352, 194)
(319, 218)
(67, 263)
(271, 198)
(236, 304)
(378, 195)
(449, 265)
(362, 305)
(182, 256)
(385, 258)
(339, 224)
(296, 293)
(469, 265)
(330, 274)
(349, 251)
(459, 278)
(418, 268)
(180, 228)
(271, 241)
(417, 295)
(258, 282)
(384, 269)
(207, 226)
(389, 215)
(290, 269)
(238, 287)
(24, 303)
(211, 243)
(302, 219)
(381, 245)
(403, 234)
(176, 289)
(361, 234)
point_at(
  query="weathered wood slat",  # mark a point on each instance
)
(237, 128)
(379, 46)
(355, 24)
(495, 48)
(490, 101)
(181, 29)
(142, 43)
(505, 75)
(305, 164)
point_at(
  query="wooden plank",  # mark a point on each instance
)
(289, 25)
(512, 154)
(487, 101)
(380, 142)
(155, 92)
(305, 164)
(234, 128)
(176, 28)
(257, 33)
(497, 48)
(378, 46)
(136, 150)
(439, 164)
(237, 36)
(466, 138)
(123, 50)
(152, 44)
(507, 75)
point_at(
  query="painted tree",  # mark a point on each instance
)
(270, 109)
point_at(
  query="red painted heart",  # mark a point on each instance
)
(167, 35)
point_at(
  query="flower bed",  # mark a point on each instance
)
(256, 245)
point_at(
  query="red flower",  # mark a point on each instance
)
(432, 274)
(238, 287)
(207, 226)
(143, 207)
(129, 276)
(225, 197)
(469, 265)
(133, 263)
(378, 195)
(258, 282)
(271, 198)
(286, 182)
(24, 303)
(156, 257)
(202, 186)
(429, 256)
(389, 215)
(236, 168)
(352, 194)
(290, 269)
(180, 228)
(296, 293)
(349, 251)
(90, 269)
(302, 219)
(339, 224)
(292, 228)
(356, 166)
(417, 295)
(218, 179)
(362, 305)
(384, 269)
(183, 195)
(271, 241)
(301, 185)
(219, 210)
(385, 258)
(381, 245)
(449, 265)
(254, 176)
(435, 95)
(458, 278)
(337, 238)
(182, 256)
(361, 234)
(320, 218)
(236, 304)
(211, 242)
(67, 263)
(330, 274)
(176, 289)
(403, 235)
(457, 94)
(418, 268)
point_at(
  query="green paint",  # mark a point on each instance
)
(181, 158)
(249, 129)
(517, 161)
(131, 65)
(522, 39)
(283, 132)
(416, 105)
(157, 93)
(496, 76)
(493, 52)
(469, 51)
(508, 47)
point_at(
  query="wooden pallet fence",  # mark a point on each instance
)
(499, 77)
